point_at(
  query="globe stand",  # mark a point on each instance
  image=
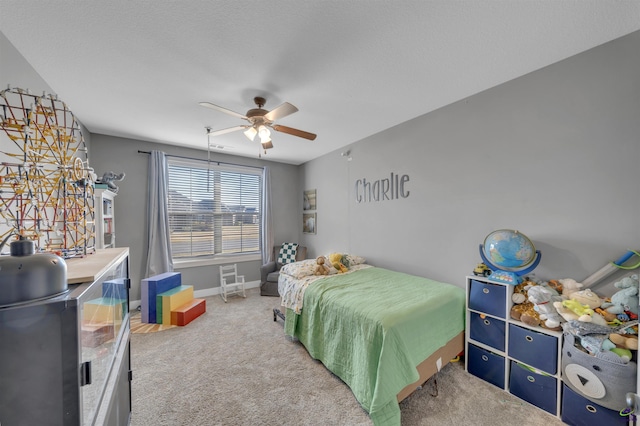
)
(509, 277)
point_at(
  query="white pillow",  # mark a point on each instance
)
(355, 260)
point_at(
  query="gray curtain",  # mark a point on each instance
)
(159, 259)
(266, 238)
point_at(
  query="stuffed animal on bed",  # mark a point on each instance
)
(336, 260)
(321, 268)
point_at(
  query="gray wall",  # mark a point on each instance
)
(554, 154)
(15, 71)
(121, 155)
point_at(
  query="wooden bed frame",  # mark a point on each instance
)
(434, 363)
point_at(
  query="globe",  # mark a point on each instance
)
(508, 249)
(510, 254)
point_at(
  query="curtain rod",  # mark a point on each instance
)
(200, 159)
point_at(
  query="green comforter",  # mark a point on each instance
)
(373, 327)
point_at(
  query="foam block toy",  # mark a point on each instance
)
(186, 313)
(150, 288)
(171, 300)
(115, 289)
(94, 335)
(103, 310)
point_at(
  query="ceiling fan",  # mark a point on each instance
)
(260, 121)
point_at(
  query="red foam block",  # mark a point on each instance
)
(186, 313)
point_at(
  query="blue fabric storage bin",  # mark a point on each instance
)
(486, 365)
(488, 298)
(579, 411)
(487, 330)
(536, 349)
(538, 389)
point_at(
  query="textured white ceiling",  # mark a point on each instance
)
(138, 69)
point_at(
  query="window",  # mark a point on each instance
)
(214, 209)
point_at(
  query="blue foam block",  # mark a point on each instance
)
(153, 286)
(115, 289)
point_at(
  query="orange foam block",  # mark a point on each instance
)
(188, 312)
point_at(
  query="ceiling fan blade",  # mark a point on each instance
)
(267, 145)
(221, 109)
(228, 130)
(280, 111)
(294, 132)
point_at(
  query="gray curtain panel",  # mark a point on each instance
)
(159, 259)
(266, 239)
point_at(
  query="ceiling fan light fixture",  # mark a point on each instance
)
(260, 121)
(251, 133)
(264, 134)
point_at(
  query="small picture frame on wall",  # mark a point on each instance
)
(308, 223)
(309, 200)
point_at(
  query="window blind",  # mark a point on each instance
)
(213, 208)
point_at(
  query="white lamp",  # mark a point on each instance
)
(251, 133)
(264, 134)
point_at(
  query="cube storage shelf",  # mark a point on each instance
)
(522, 360)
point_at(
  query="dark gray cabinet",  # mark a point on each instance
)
(65, 360)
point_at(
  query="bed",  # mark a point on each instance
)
(384, 333)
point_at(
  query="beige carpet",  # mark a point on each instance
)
(233, 366)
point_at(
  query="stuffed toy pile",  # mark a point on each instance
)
(603, 327)
(522, 309)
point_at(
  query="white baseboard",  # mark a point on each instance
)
(134, 304)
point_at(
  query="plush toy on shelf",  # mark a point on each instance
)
(573, 310)
(555, 285)
(522, 309)
(569, 286)
(336, 260)
(321, 268)
(587, 298)
(569, 315)
(609, 318)
(625, 341)
(608, 343)
(542, 297)
(625, 299)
